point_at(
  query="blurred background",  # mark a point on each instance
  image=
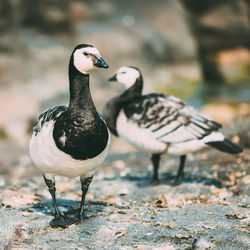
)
(196, 50)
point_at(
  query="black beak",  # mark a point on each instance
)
(100, 63)
(113, 78)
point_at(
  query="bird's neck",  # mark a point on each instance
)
(114, 106)
(80, 96)
(133, 91)
(120, 101)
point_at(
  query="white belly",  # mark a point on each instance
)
(50, 159)
(194, 145)
(141, 138)
(186, 147)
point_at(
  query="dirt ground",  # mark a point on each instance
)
(209, 210)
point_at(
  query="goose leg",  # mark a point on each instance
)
(156, 162)
(85, 182)
(59, 220)
(180, 173)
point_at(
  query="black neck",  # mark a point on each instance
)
(114, 106)
(134, 90)
(86, 135)
(80, 97)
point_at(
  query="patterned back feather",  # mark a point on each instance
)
(169, 118)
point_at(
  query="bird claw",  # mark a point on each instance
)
(81, 217)
(155, 182)
(177, 181)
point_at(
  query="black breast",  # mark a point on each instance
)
(83, 136)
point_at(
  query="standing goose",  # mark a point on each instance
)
(72, 141)
(158, 123)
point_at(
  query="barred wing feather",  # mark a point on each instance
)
(48, 115)
(169, 118)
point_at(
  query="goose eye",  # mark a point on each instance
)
(86, 53)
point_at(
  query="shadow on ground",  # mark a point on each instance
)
(210, 209)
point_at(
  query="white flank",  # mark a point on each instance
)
(167, 128)
(140, 138)
(183, 148)
(174, 142)
(194, 145)
(179, 135)
(50, 159)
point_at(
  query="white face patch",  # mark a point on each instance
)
(127, 76)
(83, 60)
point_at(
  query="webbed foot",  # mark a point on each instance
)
(63, 222)
(155, 182)
(177, 181)
(81, 217)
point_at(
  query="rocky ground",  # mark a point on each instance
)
(209, 210)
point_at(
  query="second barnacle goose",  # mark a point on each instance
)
(157, 123)
(72, 141)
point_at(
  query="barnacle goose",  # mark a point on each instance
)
(71, 141)
(156, 123)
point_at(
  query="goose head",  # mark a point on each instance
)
(86, 57)
(126, 75)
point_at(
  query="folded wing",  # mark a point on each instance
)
(169, 119)
(48, 115)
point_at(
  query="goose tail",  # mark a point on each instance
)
(226, 146)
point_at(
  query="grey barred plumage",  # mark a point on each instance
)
(156, 123)
(163, 114)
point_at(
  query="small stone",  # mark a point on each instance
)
(26, 214)
(209, 226)
(169, 225)
(203, 244)
(121, 233)
(123, 191)
(121, 212)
